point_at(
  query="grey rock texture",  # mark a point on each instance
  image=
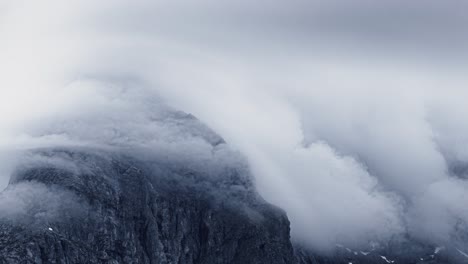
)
(94, 206)
(89, 206)
(123, 211)
(119, 204)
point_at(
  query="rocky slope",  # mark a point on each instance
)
(89, 206)
(119, 210)
(164, 201)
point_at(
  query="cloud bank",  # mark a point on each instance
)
(351, 115)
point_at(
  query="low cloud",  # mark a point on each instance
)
(36, 205)
(351, 124)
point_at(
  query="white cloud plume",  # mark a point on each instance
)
(344, 124)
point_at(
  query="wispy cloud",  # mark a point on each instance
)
(350, 114)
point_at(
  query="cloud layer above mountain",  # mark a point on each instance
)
(352, 115)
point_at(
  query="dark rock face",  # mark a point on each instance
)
(88, 206)
(126, 212)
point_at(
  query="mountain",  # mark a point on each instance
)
(120, 205)
(119, 210)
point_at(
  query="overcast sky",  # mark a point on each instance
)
(352, 114)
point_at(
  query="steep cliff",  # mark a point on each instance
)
(98, 207)
(92, 206)
(172, 192)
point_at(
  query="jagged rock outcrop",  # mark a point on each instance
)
(92, 206)
(120, 210)
(158, 202)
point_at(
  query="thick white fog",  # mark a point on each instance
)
(352, 116)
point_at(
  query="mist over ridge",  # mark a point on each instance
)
(358, 137)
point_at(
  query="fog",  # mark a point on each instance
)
(352, 116)
(34, 203)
